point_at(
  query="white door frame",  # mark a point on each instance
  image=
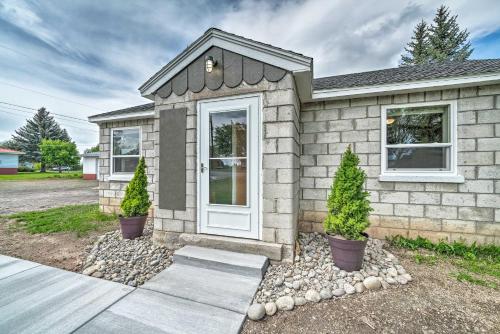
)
(259, 156)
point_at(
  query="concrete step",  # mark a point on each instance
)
(212, 287)
(248, 246)
(146, 311)
(230, 262)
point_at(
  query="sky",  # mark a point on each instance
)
(78, 58)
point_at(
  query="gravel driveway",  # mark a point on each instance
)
(17, 196)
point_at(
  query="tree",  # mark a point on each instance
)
(28, 137)
(418, 48)
(59, 153)
(92, 149)
(446, 41)
(441, 41)
(348, 204)
(136, 201)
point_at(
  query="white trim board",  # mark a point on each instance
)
(267, 54)
(421, 175)
(122, 117)
(402, 87)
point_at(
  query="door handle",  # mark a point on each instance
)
(202, 167)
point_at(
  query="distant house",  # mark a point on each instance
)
(9, 161)
(90, 167)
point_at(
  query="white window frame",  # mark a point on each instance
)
(122, 176)
(421, 175)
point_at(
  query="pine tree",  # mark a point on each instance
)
(28, 137)
(446, 41)
(418, 48)
(348, 204)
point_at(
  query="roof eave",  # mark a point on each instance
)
(404, 87)
(286, 60)
(122, 117)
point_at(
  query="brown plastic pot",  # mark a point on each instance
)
(347, 254)
(132, 227)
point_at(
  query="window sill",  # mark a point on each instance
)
(422, 178)
(123, 177)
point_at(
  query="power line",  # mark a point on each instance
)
(66, 125)
(20, 106)
(52, 96)
(59, 120)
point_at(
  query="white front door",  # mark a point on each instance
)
(229, 148)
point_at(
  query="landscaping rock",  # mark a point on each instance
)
(131, 262)
(285, 303)
(314, 274)
(299, 301)
(271, 308)
(256, 312)
(312, 296)
(372, 283)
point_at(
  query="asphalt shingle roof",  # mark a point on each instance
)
(130, 110)
(409, 73)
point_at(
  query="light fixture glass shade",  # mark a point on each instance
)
(209, 64)
(390, 121)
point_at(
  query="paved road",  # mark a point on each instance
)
(18, 196)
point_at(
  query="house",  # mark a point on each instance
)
(242, 142)
(9, 161)
(90, 165)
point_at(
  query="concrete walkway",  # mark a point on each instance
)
(203, 291)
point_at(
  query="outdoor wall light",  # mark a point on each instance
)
(210, 63)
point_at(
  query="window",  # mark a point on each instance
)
(419, 142)
(125, 150)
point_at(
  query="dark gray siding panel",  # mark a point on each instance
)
(233, 69)
(253, 71)
(172, 169)
(179, 83)
(214, 79)
(272, 73)
(196, 72)
(165, 90)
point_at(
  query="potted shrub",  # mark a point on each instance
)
(135, 204)
(348, 209)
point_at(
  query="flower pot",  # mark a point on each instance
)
(132, 227)
(347, 254)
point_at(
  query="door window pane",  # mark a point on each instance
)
(418, 158)
(228, 134)
(125, 164)
(228, 181)
(418, 125)
(126, 142)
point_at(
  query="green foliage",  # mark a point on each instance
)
(59, 153)
(418, 48)
(477, 264)
(92, 149)
(28, 137)
(136, 201)
(446, 41)
(23, 176)
(456, 248)
(441, 41)
(348, 204)
(73, 218)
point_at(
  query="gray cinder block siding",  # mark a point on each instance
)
(469, 211)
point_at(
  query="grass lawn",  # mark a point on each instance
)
(41, 176)
(80, 219)
(476, 264)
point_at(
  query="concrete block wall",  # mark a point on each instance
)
(112, 192)
(280, 162)
(469, 211)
